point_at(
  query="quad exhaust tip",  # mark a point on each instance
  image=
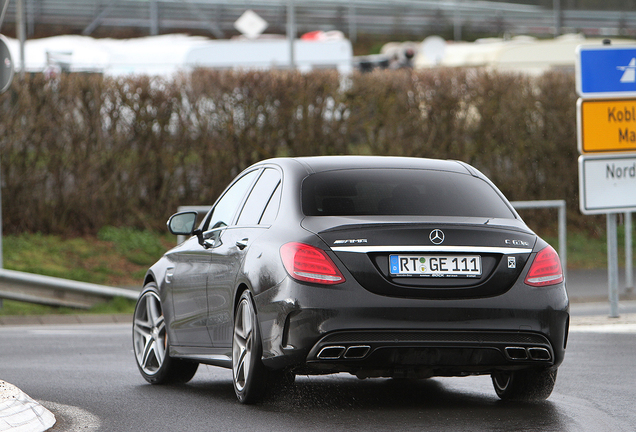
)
(331, 352)
(335, 352)
(530, 353)
(539, 354)
(357, 351)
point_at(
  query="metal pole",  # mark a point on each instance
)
(154, 18)
(560, 204)
(353, 31)
(457, 23)
(629, 262)
(563, 250)
(557, 17)
(612, 264)
(4, 11)
(1, 257)
(21, 34)
(291, 32)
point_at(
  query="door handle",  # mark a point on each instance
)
(242, 244)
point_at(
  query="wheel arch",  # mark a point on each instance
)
(150, 278)
(237, 297)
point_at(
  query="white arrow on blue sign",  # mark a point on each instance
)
(606, 71)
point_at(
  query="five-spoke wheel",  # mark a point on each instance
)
(150, 342)
(249, 374)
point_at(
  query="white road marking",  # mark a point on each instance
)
(604, 328)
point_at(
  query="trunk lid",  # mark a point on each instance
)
(423, 257)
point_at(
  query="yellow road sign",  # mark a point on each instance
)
(606, 126)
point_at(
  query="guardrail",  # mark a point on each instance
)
(52, 291)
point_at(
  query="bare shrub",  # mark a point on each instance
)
(82, 151)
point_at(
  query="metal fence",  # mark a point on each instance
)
(560, 205)
(353, 17)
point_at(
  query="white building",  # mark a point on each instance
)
(520, 54)
(168, 54)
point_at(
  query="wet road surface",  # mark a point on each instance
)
(88, 372)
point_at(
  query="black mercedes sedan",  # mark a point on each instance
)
(376, 266)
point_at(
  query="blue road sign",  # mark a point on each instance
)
(607, 71)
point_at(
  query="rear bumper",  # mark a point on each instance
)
(428, 353)
(346, 328)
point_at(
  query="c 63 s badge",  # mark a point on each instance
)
(516, 242)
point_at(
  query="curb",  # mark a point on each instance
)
(20, 413)
(594, 320)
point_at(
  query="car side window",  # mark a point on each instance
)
(226, 208)
(271, 211)
(259, 197)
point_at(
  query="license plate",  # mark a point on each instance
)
(435, 265)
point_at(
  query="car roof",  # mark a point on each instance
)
(315, 164)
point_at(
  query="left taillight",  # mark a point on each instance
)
(310, 264)
(545, 269)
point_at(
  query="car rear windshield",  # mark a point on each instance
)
(400, 192)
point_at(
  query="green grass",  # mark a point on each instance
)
(115, 257)
(115, 306)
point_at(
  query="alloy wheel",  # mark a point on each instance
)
(149, 333)
(243, 343)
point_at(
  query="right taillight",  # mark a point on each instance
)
(545, 269)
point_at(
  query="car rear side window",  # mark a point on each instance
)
(259, 197)
(400, 192)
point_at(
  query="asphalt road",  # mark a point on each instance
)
(86, 375)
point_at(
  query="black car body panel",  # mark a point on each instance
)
(374, 322)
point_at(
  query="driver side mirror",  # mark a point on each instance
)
(183, 223)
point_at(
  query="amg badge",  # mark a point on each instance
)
(350, 241)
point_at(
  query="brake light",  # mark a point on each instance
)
(545, 269)
(309, 264)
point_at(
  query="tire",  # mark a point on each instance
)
(248, 373)
(524, 385)
(150, 343)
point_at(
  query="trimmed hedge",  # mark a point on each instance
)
(82, 151)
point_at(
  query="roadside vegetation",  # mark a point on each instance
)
(84, 151)
(81, 154)
(121, 256)
(114, 257)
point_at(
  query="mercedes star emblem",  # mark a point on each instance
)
(436, 236)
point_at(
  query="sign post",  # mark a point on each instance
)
(6, 76)
(606, 135)
(6, 65)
